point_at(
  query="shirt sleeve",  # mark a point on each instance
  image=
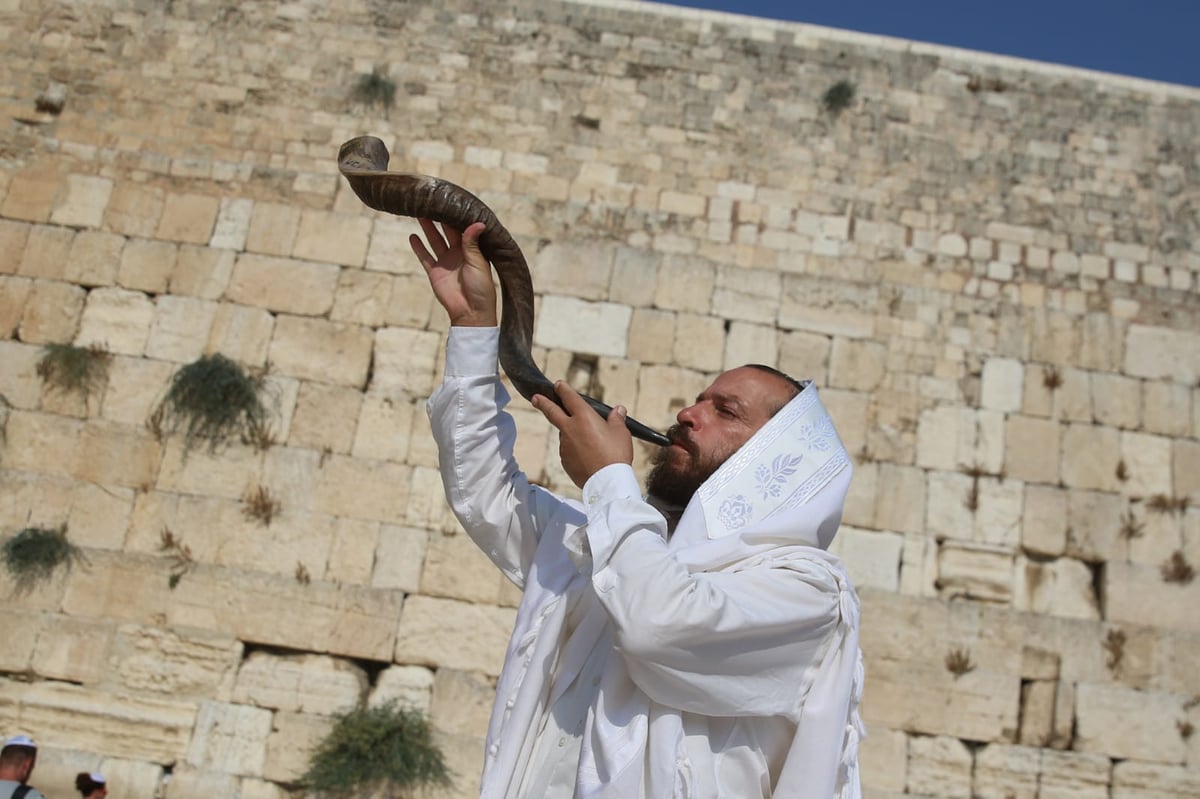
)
(728, 643)
(492, 498)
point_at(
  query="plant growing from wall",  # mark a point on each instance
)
(180, 555)
(261, 505)
(212, 401)
(1051, 378)
(373, 748)
(958, 662)
(1177, 569)
(33, 554)
(374, 90)
(65, 367)
(1114, 646)
(837, 98)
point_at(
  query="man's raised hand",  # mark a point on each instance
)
(587, 442)
(459, 274)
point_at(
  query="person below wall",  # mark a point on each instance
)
(699, 642)
(17, 759)
(91, 785)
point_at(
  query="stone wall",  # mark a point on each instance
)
(990, 267)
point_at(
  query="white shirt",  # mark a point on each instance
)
(705, 669)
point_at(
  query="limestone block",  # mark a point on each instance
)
(134, 209)
(117, 319)
(361, 489)
(1006, 772)
(411, 303)
(191, 783)
(664, 391)
(1117, 400)
(883, 761)
(998, 517)
(449, 633)
(325, 417)
(1135, 780)
(400, 556)
(1031, 449)
(1002, 384)
(1147, 462)
(462, 702)
(823, 305)
(1161, 353)
(99, 515)
(1062, 733)
(750, 343)
(272, 229)
(1167, 408)
(230, 738)
(352, 551)
(191, 664)
(52, 312)
(21, 632)
(464, 758)
(850, 411)
(240, 333)
(389, 251)
(1122, 722)
(685, 284)
(578, 268)
(407, 686)
(953, 438)
(634, 278)
(804, 356)
(651, 335)
(1062, 587)
(19, 381)
(1090, 456)
(382, 431)
(1037, 712)
(405, 363)
(277, 610)
(598, 328)
(1055, 337)
(233, 223)
(856, 364)
(202, 272)
(699, 342)
(42, 443)
(1134, 593)
(299, 683)
(13, 236)
(1185, 466)
(290, 745)
(31, 194)
(332, 237)
(1074, 775)
(362, 297)
(181, 328)
(262, 789)
(313, 349)
(1094, 525)
(13, 294)
(77, 717)
(188, 218)
(938, 766)
(47, 252)
(127, 777)
(1103, 342)
(147, 265)
(284, 285)
(900, 499)
(872, 558)
(749, 295)
(976, 571)
(947, 513)
(456, 568)
(94, 259)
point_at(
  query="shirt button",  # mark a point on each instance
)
(493, 749)
(562, 742)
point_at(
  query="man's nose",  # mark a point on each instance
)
(687, 416)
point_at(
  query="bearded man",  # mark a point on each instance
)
(698, 642)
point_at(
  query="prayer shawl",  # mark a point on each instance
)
(770, 510)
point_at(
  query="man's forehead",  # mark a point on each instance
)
(747, 386)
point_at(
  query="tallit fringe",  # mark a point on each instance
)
(849, 786)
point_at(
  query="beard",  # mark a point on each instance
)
(676, 475)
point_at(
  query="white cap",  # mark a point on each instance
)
(97, 777)
(20, 740)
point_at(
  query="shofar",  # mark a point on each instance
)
(363, 162)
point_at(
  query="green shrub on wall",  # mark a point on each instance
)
(212, 400)
(65, 367)
(387, 749)
(33, 554)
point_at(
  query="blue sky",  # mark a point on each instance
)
(1156, 39)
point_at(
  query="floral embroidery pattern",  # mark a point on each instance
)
(735, 512)
(818, 436)
(771, 479)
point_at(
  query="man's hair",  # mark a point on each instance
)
(794, 385)
(15, 755)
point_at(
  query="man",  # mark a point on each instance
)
(17, 759)
(697, 643)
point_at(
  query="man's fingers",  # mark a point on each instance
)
(423, 255)
(436, 240)
(570, 398)
(554, 414)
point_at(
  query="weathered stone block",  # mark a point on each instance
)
(1134, 780)
(325, 417)
(883, 761)
(405, 363)
(181, 328)
(1090, 457)
(872, 558)
(191, 783)
(1166, 408)
(313, 349)
(900, 499)
(977, 571)
(299, 683)
(47, 251)
(383, 429)
(938, 766)
(52, 312)
(189, 664)
(407, 686)
(134, 209)
(31, 194)
(1074, 775)
(598, 328)
(14, 291)
(19, 380)
(580, 269)
(283, 285)
(361, 489)
(363, 298)
(1122, 722)
(1158, 353)
(43, 443)
(456, 568)
(332, 237)
(272, 229)
(241, 334)
(1003, 384)
(749, 295)
(13, 236)
(1134, 593)
(449, 633)
(202, 272)
(805, 355)
(233, 223)
(699, 342)
(685, 284)
(293, 738)
(1117, 400)
(94, 258)
(664, 391)
(1094, 525)
(83, 202)
(1031, 449)
(230, 738)
(147, 265)
(823, 305)
(100, 515)
(187, 218)
(117, 319)
(1006, 772)
(1147, 463)
(750, 343)
(651, 335)
(1062, 587)
(399, 558)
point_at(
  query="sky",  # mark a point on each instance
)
(1155, 39)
